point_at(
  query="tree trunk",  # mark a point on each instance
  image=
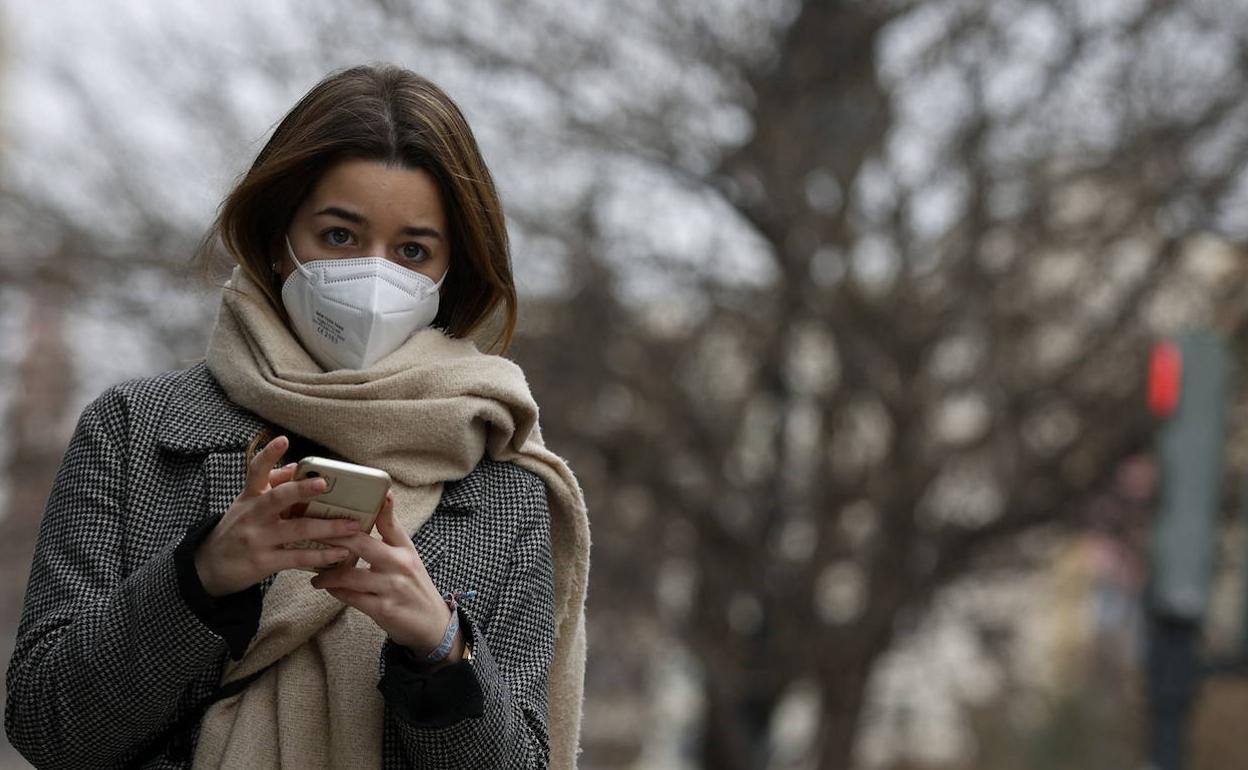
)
(36, 414)
(841, 710)
(738, 721)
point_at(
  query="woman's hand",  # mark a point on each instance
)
(395, 590)
(245, 546)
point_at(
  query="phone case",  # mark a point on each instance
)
(355, 491)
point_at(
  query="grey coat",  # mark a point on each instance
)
(108, 652)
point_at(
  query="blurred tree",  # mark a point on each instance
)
(977, 214)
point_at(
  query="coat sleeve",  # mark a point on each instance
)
(234, 617)
(512, 657)
(101, 657)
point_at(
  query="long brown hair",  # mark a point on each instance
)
(392, 115)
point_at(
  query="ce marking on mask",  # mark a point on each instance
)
(329, 328)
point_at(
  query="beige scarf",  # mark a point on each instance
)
(426, 414)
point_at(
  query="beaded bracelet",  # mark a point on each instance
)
(448, 639)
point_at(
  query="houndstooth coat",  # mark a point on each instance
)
(109, 653)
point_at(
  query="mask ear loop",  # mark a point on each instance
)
(298, 265)
(441, 280)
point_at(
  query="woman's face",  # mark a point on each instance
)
(365, 208)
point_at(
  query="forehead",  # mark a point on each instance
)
(382, 193)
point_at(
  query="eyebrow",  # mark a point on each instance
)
(359, 219)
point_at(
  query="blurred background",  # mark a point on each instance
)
(841, 311)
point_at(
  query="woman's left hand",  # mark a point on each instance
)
(395, 590)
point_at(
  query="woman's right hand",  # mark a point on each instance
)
(245, 546)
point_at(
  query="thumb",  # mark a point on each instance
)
(388, 524)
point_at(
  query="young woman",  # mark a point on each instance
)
(166, 623)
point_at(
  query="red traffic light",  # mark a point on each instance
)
(1165, 379)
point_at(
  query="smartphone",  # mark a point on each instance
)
(353, 491)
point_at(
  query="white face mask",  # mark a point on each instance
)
(351, 313)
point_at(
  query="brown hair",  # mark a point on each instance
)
(388, 114)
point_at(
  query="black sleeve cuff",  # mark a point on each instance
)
(234, 617)
(425, 698)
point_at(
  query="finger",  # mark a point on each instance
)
(294, 511)
(359, 580)
(347, 565)
(309, 528)
(369, 604)
(389, 527)
(283, 474)
(290, 558)
(282, 497)
(367, 547)
(257, 469)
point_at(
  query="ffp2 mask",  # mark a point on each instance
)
(350, 313)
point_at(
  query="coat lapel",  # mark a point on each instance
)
(200, 419)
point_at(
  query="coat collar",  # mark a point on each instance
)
(466, 494)
(199, 417)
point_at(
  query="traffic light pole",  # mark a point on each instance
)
(1190, 382)
(1174, 675)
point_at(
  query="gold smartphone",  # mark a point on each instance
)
(354, 491)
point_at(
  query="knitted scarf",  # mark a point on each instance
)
(426, 414)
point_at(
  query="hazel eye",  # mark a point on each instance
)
(413, 251)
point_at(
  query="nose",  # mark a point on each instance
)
(376, 247)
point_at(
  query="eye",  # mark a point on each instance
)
(413, 251)
(337, 236)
